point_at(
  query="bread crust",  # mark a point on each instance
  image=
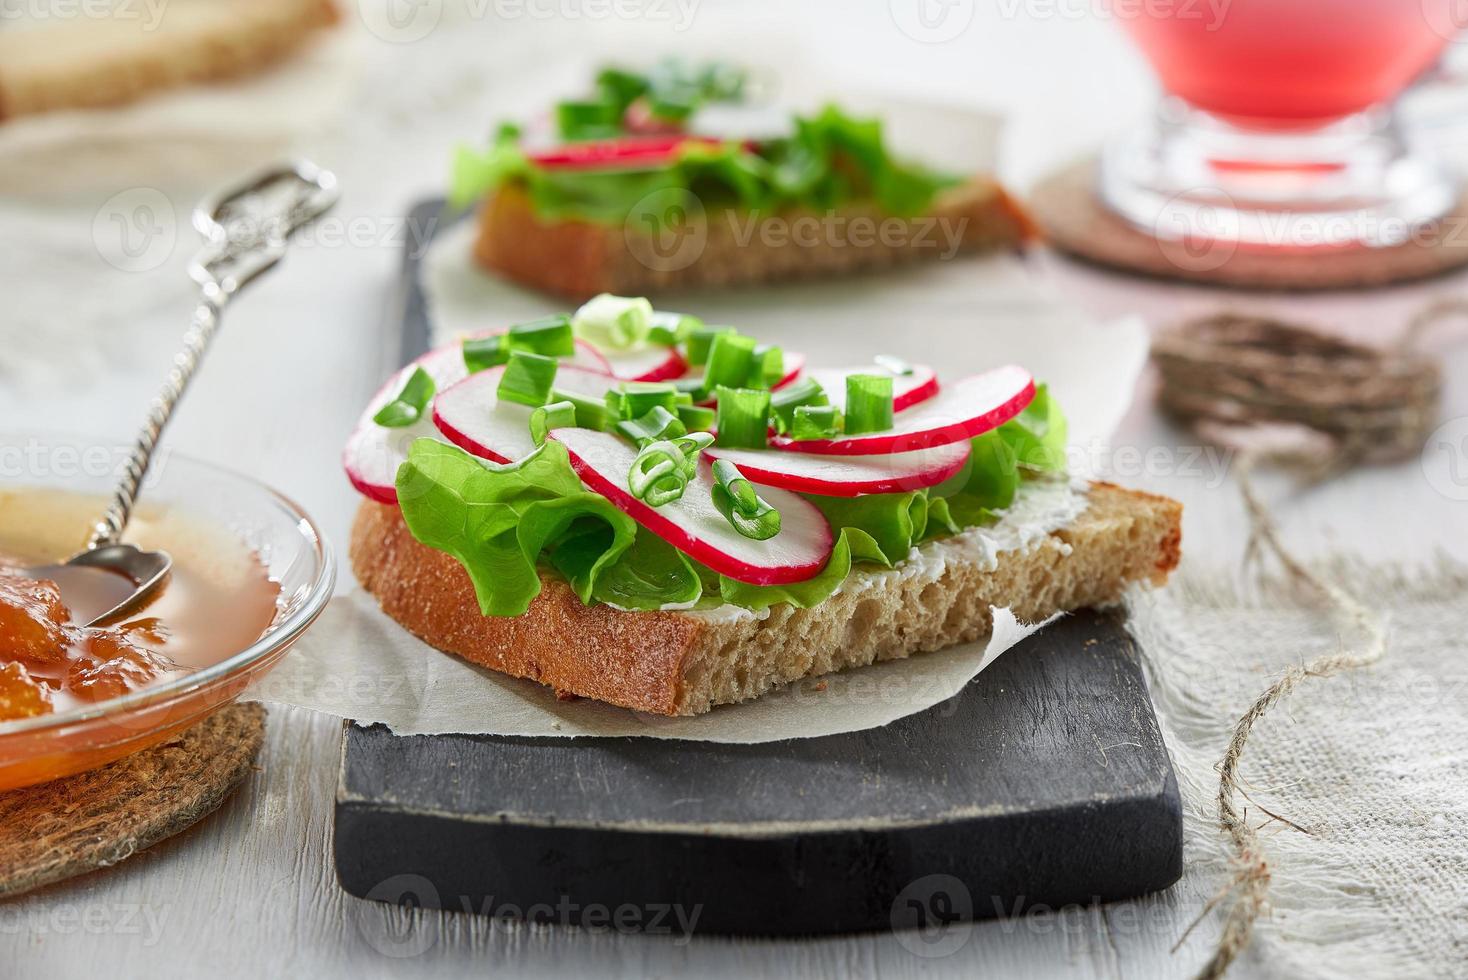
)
(672, 663)
(579, 259)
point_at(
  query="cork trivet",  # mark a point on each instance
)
(95, 819)
(1076, 222)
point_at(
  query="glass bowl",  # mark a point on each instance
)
(283, 537)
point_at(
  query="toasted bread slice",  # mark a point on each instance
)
(728, 247)
(677, 663)
(92, 62)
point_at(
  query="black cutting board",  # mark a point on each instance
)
(1044, 783)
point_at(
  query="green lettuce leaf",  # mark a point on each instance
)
(853, 545)
(1037, 435)
(831, 158)
(893, 521)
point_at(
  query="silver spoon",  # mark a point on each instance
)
(245, 233)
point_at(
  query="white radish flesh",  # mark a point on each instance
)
(847, 476)
(471, 416)
(959, 411)
(695, 527)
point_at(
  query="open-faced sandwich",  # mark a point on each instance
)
(633, 506)
(653, 184)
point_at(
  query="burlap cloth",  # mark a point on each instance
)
(1370, 766)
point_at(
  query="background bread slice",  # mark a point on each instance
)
(674, 663)
(87, 62)
(578, 259)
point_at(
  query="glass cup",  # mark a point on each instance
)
(1277, 129)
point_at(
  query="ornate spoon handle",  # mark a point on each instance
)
(245, 232)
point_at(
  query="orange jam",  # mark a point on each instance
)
(217, 601)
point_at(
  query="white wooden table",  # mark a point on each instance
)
(251, 891)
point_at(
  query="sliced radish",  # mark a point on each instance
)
(794, 365)
(373, 452)
(907, 389)
(959, 411)
(628, 152)
(847, 476)
(695, 527)
(652, 363)
(471, 416)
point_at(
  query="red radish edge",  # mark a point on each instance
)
(900, 400)
(679, 538)
(786, 480)
(466, 442)
(913, 396)
(459, 437)
(674, 367)
(880, 443)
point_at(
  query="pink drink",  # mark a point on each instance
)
(1290, 62)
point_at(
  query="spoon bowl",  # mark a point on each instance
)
(103, 583)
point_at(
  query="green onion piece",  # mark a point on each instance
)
(409, 404)
(769, 365)
(657, 424)
(868, 403)
(735, 498)
(696, 418)
(896, 365)
(700, 339)
(591, 413)
(815, 422)
(742, 418)
(528, 379)
(485, 352)
(659, 474)
(556, 415)
(588, 120)
(620, 87)
(670, 329)
(633, 399)
(730, 363)
(693, 444)
(550, 335)
(614, 322)
(783, 403)
(506, 132)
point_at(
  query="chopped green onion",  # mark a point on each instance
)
(591, 413)
(815, 422)
(730, 362)
(699, 340)
(620, 87)
(696, 418)
(783, 403)
(614, 322)
(485, 352)
(670, 329)
(769, 366)
(736, 499)
(742, 418)
(528, 379)
(556, 415)
(868, 403)
(409, 404)
(550, 335)
(659, 474)
(657, 424)
(896, 365)
(588, 120)
(693, 444)
(632, 399)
